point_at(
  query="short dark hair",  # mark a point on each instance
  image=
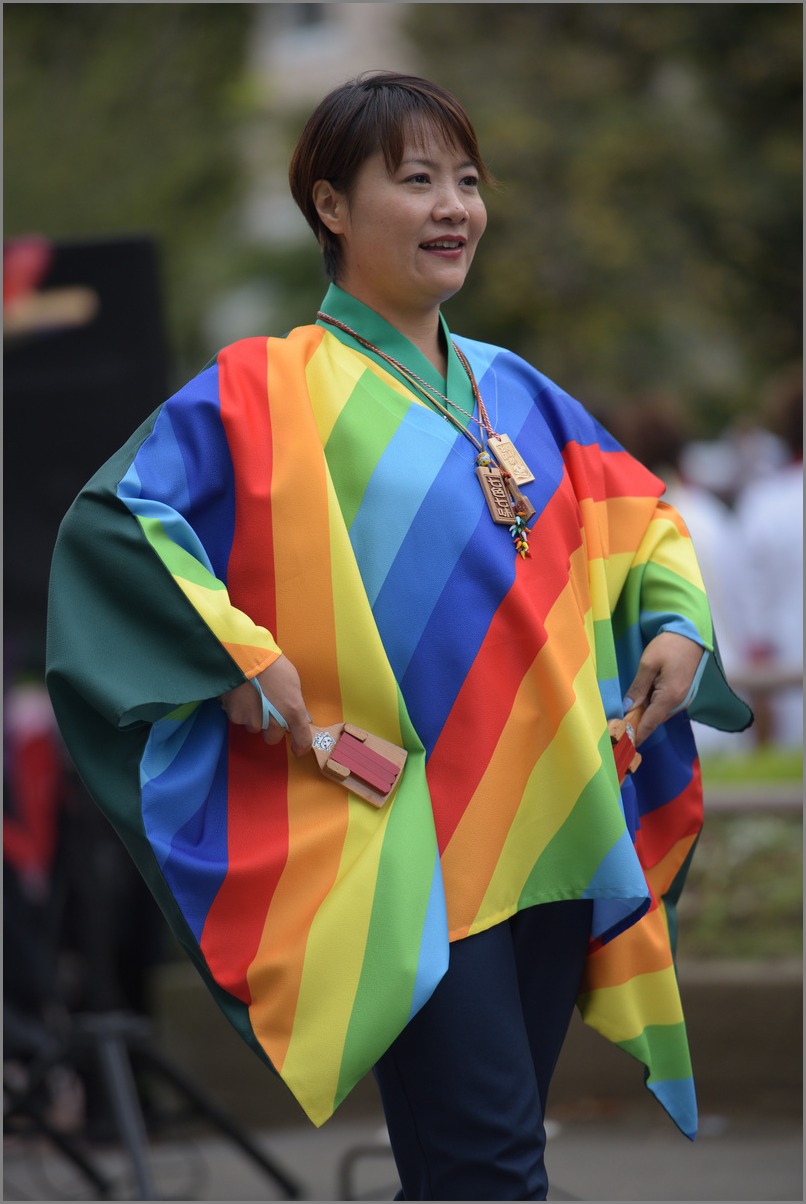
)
(373, 112)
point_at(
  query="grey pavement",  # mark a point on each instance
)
(624, 1155)
(608, 1140)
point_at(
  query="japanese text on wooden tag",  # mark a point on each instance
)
(510, 459)
(496, 494)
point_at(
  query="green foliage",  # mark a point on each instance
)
(744, 893)
(647, 231)
(646, 234)
(764, 764)
(122, 118)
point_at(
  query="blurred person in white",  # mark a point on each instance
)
(769, 514)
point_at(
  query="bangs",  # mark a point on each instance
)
(409, 117)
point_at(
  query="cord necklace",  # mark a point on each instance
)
(499, 482)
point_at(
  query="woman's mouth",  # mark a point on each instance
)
(444, 246)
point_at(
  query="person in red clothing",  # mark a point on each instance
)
(34, 791)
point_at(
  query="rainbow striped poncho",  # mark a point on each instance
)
(296, 496)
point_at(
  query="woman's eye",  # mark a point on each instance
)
(471, 181)
(419, 178)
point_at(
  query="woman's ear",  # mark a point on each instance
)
(331, 206)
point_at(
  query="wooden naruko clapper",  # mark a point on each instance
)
(367, 765)
(622, 738)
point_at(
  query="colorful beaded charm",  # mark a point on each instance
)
(519, 532)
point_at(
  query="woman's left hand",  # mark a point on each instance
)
(664, 677)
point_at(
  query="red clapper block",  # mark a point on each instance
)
(370, 767)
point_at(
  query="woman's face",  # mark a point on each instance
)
(408, 239)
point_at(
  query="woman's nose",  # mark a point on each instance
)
(451, 205)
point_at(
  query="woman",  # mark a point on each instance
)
(337, 533)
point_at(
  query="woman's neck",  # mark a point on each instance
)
(422, 328)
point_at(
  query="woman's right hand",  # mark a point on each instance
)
(281, 685)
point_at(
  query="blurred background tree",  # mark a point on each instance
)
(123, 118)
(647, 231)
(646, 234)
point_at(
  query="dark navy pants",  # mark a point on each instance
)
(464, 1086)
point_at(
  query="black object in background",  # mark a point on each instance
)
(73, 393)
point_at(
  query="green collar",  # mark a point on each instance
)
(371, 326)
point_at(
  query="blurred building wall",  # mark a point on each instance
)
(299, 53)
